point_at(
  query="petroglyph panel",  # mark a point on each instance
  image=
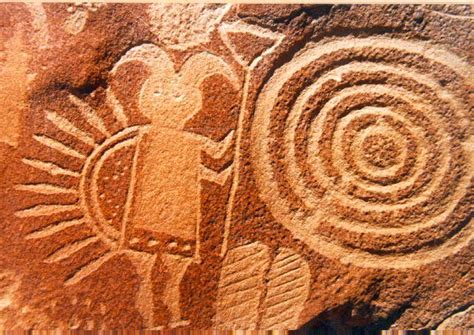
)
(221, 166)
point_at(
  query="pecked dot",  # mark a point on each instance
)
(187, 247)
(152, 243)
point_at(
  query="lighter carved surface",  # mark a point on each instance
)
(287, 289)
(241, 287)
(185, 25)
(256, 292)
(14, 84)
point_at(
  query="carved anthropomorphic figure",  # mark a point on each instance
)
(169, 204)
(169, 169)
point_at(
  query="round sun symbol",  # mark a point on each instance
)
(103, 190)
(108, 226)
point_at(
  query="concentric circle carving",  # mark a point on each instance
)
(363, 149)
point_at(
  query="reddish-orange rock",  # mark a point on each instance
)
(236, 166)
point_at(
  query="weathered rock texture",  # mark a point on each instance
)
(236, 166)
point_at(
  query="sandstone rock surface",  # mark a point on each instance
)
(236, 166)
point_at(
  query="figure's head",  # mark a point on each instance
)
(169, 98)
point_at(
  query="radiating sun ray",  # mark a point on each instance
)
(58, 146)
(66, 126)
(45, 210)
(117, 108)
(90, 115)
(50, 168)
(45, 189)
(89, 268)
(70, 249)
(54, 228)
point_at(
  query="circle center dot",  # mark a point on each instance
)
(380, 151)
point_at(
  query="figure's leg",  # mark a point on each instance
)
(144, 263)
(176, 267)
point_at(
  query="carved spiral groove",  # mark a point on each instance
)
(363, 149)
